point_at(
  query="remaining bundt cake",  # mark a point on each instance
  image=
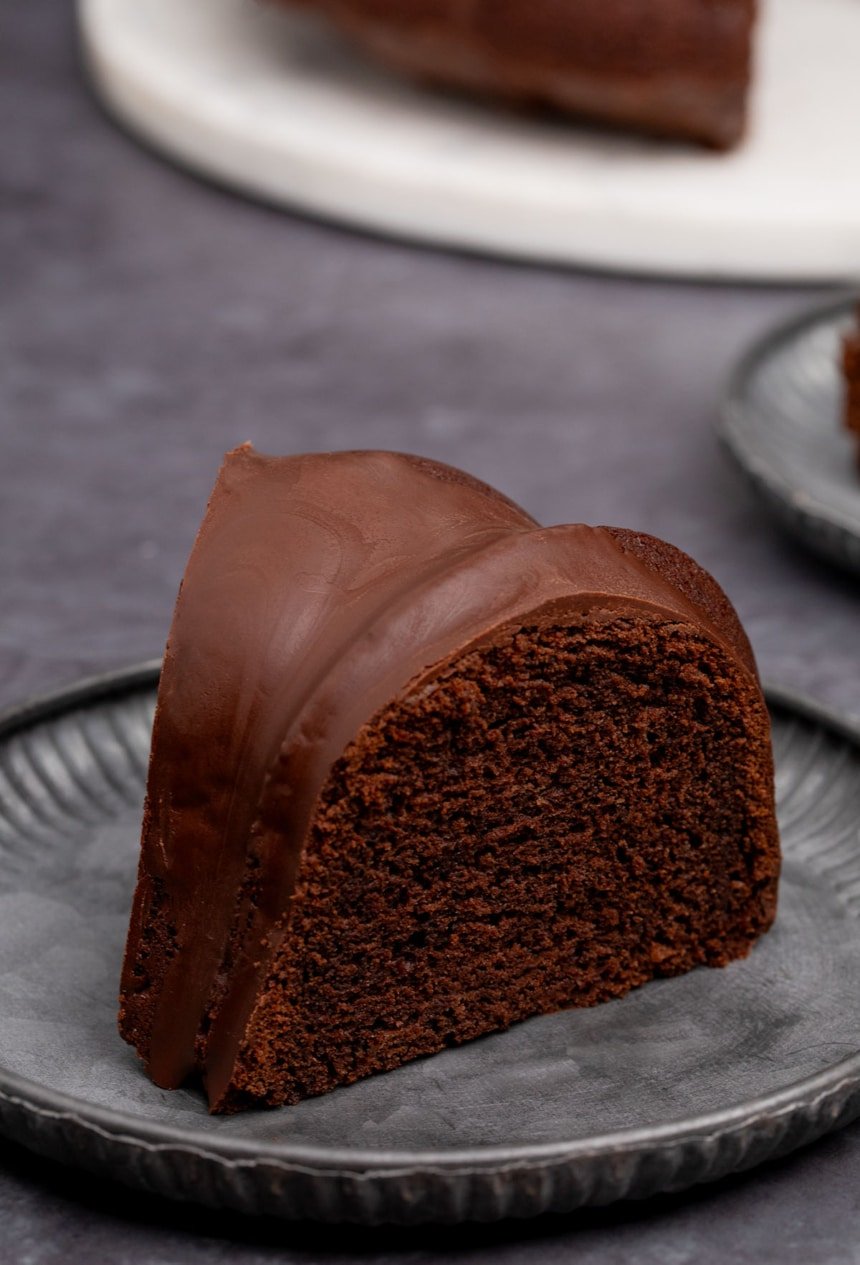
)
(851, 373)
(675, 67)
(421, 768)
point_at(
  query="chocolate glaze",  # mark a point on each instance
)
(675, 67)
(319, 588)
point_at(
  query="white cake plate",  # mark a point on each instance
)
(275, 104)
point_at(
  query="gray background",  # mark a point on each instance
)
(149, 322)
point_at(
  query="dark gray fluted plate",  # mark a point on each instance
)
(781, 422)
(683, 1081)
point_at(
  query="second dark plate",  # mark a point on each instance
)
(781, 425)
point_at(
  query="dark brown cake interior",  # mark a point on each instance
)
(550, 822)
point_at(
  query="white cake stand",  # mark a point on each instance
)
(274, 103)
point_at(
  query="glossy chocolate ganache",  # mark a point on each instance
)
(421, 768)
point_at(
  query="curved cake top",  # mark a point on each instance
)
(320, 587)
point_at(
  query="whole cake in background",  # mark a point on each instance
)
(851, 374)
(677, 68)
(422, 768)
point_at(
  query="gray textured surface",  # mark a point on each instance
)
(150, 322)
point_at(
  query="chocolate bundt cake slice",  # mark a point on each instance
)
(421, 768)
(851, 379)
(674, 67)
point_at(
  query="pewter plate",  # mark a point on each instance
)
(683, 1081)
(781, 423)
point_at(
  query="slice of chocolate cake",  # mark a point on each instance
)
(421, 768)
(674, 67)
(851, 375)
